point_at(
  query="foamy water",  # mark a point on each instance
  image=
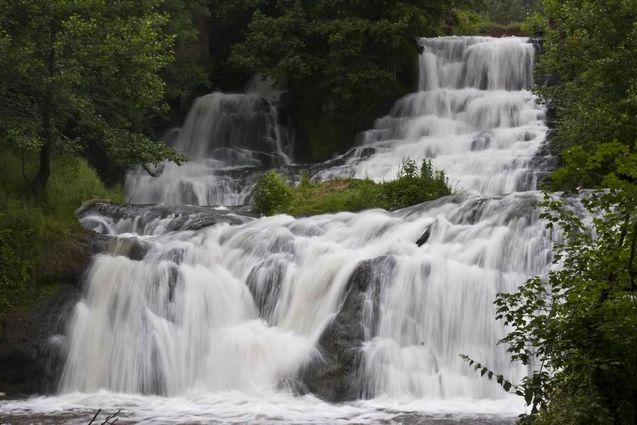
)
(215, 324)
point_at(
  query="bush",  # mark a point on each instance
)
(272, 194)
(535, 24)
(576, 327)
(412, 186)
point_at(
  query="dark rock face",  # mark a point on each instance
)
(32, 343)
(335, 377)
(17, 365)
(50, 341)
(95, 215)
(424, 238)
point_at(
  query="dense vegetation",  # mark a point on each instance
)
(344, 61)
(40, 238)
(79, 73)
(577, 326)
(507, 11)
(413, 185)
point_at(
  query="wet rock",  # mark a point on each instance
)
(31, 342)
(264, 282)
(100, 217)
(50, 341)
(335, 377)
(424, 238)
(132, 248)
(32, 345)
(481, 142)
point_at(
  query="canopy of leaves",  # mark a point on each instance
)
(83, 71)
(187, 20)
(507, 11)
(578, 325)
(591, 45)
(342, 59)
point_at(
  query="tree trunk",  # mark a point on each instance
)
(44, 169)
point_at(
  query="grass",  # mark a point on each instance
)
(413, 185)
(40, 236)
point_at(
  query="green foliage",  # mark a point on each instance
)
(507, 11)
(412, 186)
(471, 23)
(535, 23)
(334, 196)
(607, 164)
(592, 46)
(343, 60)
(16, 263)
(577, 326)
(34, 232)
(228, 23)
(79, 72)
(490, 375)
(272, 194)
(187, 21)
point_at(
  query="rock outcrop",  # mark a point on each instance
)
(32, 342)
(335, 377)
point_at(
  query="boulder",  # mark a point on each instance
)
(336, 377)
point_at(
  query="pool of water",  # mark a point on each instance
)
(239, 408)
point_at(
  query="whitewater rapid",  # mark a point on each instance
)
(205, 315)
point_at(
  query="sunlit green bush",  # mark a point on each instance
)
(413, 185)
(272, 194)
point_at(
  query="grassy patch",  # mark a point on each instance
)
(413, 185)
(40, 237)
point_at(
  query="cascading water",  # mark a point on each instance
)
(214, 308)
(473, 117)
(226, 136)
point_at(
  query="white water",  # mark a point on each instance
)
(473, 118)
(222, 319)
(225, 136)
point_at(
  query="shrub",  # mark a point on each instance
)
(272, 194)
(412, 186)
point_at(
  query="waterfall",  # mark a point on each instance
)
(473, 118)
(226, 136)
(192, 300)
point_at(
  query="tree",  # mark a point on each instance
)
(344, 60)
(82, 71)
(576, 327)
(187, 23)
(591, 45)
(507, 11)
